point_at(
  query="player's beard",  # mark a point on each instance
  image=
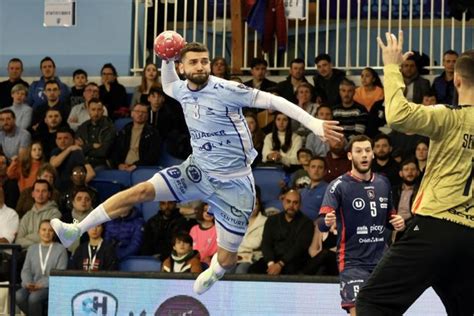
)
(360, 168)
(197, 78)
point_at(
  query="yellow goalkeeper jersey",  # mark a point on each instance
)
(446, 191)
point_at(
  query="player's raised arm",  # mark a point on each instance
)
(325, 129)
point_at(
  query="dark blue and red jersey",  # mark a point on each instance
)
(363, 210)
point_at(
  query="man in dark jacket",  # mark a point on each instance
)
(138, 143)
(328, 79)
(258, 69)
(287, 88)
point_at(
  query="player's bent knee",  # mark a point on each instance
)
(145, 191)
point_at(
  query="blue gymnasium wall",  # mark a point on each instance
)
(103, 33)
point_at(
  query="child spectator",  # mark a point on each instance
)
(26, 168)
(79, 77)
(23, 112)
(204, 235)
(183, 258)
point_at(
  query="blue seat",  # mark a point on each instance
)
(121, 122)
(147, 209)
(106, 188)
(268, 178)
(113, 175)
(140, 264)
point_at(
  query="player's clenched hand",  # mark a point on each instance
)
(330, 219)
(397, 222)
(332, 131)
(392, 52)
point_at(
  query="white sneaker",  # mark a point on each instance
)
(67, 233)
(206, 279)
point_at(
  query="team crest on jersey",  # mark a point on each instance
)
(194, 174)
(358, 204)
(371, 194)
(174, 172)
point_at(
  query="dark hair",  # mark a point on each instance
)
(111, 67)
(359, 139)
(276, 145)
(143, 87)
(258, 61)
(80, 189)
(259, 136)
(16, 60)
(8, 111)
(82, 167)
(94, 100)
(320, 159)
(47, 58)
(322, 56)
(377, 81)
(258, 197)
(423, 141)
(91, 84)
(347, 82)
(429, 93)
(194, 47)
(182, 236)
(408, 161)
(304, 150)
(296, 61)
(323, 106)
(382, 136)
(54, 110)
(78, 72)
(465, 67)
(47, 220)
(41, 181)
(450, 52)
(157, 90)
(50, 82)
(66, 129)
(226, 66)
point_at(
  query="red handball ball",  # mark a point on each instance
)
(168, 45)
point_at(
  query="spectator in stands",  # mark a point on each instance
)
(96, 136)
(42, 257)
(350, 114)
(429, 98)
(322, 252)
(183, 257)
(81, 206)
(383, 162)
(25, 168)
(312, 195)
(287, 88)
(328, 79)
(443, 84)
(79, 78)
(421, 156)
(250, 250)
(160, 229)
(404, 193)
(314, 143)
(337, 162)
(371, 89)
(257, 135)
(9, 222)
(47, 130)
(416, 86)
(258, 69)
(220, 68)
(80, 113)
(304, 95)
(126, 234)
(204, 235)
(286, 238)
(112, 94)
(23, 112)
(405, 143)
(36, 96)
(52, 92)
(25, 202)
(281, 145)
(300, 178)
(13, 139)
(66, 156)
(149, 80)
(376, 119)
(43, 208)
(138, 143)
(96, 254)
(15, 70)
(78, 178)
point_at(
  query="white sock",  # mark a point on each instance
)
(96, 217)
(216, 267)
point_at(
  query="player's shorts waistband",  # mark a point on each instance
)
(239, 173)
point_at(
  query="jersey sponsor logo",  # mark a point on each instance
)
(181, 184)
(383, 199)
(358, 204)
(174, 172)
(370, 240)
(468, 217)
(334, 186)
(362, 230)
(383, 205)
(377, 228)
(236, 212)
(195, 135)
(218, 86)
(371, 194)
(237, 222)
(206, 147)
(194, 174)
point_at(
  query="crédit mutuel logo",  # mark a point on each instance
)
(94, 303)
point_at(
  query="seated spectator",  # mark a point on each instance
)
(383, 162)
(257, 135)
(43, 208)
(250, 250)
(78, 179)
(46, 132)
(9, 223)
(281, 145)
(405, 143)
(416, 86)
(15, 70)
(36, 96)
(160, 229)
(126, 234)
(13, 139)
(81, 206)
(149, 80)
(258, 70)
(66, 156)
(328, 79)
(41, 258)
(350, 114)
(286, 89)
(312, 195)
(371, 89)
(376, 120)
(138, 143)
(322, 252)
(26, 201)
(112, 94)
(305, 94)
(313, 142)
(52, 92)
(79, 78)
(443, 85)
(204, 235)
(300, 179)
(220, 68)
(80, 113)
(286, 238)
(404, 194)
(96, 254)
(23, 112)
(183, 258)
(337, 162)
(421, 156)
(25, 169)
(96, 136)
(429, 98)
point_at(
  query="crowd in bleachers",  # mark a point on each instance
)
(55, 140)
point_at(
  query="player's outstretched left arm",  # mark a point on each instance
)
(326, 129)
(397, 222)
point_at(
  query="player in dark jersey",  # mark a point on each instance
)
(360, 203)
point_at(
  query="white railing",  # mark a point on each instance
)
(345, 29)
